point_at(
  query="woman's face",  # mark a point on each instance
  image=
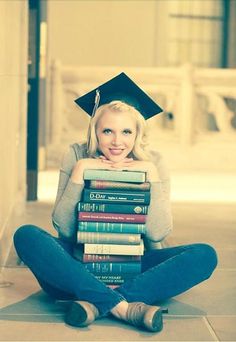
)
(116, 133)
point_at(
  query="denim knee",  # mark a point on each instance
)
(23, 233)
(208, 256)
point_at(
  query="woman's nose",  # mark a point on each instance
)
(116, 139)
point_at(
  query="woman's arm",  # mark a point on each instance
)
(68, 195)
(69, 192)
(159, 220)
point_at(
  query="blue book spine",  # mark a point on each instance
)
(119, 197)
(114, 279)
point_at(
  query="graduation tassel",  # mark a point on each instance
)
(96, 102)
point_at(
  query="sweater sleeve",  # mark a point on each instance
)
(159, 219)
(68, 195)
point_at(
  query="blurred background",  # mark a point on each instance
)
(182, 52)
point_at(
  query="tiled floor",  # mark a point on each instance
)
(205, 313)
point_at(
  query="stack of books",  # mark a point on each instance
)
(111, 223)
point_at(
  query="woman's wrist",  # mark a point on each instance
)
(152, 174)
(77, 175)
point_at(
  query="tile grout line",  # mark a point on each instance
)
(210, 328)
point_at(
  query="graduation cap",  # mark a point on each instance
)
(121, 88)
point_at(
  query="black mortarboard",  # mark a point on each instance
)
(122, 88)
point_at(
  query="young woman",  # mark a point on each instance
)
(116, 140)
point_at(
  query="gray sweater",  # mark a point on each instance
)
(64, 216)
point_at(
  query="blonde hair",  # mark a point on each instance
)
(138, 152)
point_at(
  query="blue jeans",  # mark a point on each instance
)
(165, 272)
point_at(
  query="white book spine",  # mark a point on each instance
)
(114, 249)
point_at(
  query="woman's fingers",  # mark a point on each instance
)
(121, 165)
(124, 162)
(106, 161)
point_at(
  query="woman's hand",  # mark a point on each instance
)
(121, 165)
(103, 163)
(135, 165)
(87, 163)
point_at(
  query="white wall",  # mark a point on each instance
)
(104, 32)
(13, 91)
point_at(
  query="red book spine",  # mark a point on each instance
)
(111, 217)
(102, 184)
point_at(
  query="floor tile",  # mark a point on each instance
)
(216, 296)
(175, 329)
(224, 327)
(208, 223)
(227, 258)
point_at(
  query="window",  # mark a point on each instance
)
(195, 32)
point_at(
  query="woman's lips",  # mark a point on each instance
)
(115, 151)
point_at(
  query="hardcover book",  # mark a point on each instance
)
(110, 238)
(110, 258)
(104, 184)
(115, 278)
(113, 268)
(116, 175)
(110, 227)
(114, 196)
(96, 248)
(113, 208)
(111, 217)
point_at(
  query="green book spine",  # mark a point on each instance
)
(110, 238)
(113, 268)
(120, 176)
(112, 208)
(109, 227)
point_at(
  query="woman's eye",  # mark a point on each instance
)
(107, 131)
(127, 131)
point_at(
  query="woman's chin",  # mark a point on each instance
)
(116, 159)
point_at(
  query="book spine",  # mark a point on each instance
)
(123, 197)
(109, 238)
(90, 248)
(110, 258)
(121, 176)
(102, 184)
(113, 208)
(111, 217)
(115, 278)
(109, 227)
(113, 268)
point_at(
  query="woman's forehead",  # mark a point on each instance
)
(117, 118)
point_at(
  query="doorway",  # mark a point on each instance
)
(36, 92)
